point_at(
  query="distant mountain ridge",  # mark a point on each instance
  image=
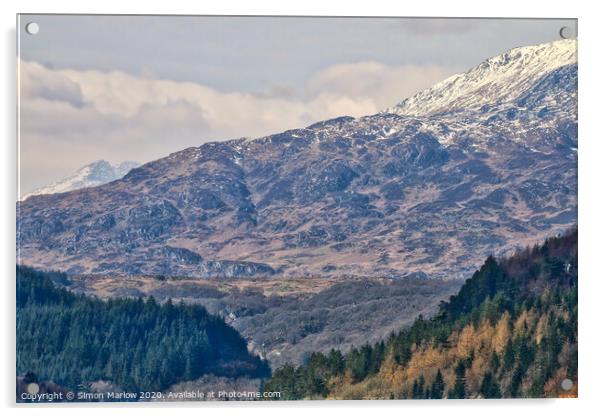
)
(93, 174)
(478, 164)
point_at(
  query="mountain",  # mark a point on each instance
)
(511, 331)
(75, 340)
(500, 80)
(94, 174)
(484, 162)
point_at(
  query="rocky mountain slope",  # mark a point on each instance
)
(93, 174)
(481, 163)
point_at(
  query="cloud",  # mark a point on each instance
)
(72, 117)
(35, 81)
(382, 84)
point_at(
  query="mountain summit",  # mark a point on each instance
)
(93, 174)
(497, 81)
(481, 163)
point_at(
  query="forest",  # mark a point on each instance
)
(74, 340)
(511, 331)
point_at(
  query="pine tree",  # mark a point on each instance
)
(438, 387)
(459, 389)
(489, 388)
(509, 355)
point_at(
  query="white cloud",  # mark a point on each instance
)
(38, 82)
(382, 84)
(70, 118)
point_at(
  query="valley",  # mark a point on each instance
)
(285, 321)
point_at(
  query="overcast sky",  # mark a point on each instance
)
(137, 88)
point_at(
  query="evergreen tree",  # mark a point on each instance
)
(490, 389)
(418, 388)
(438, 387)
(459, 389)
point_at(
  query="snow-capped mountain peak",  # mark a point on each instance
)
(499, 79)
(94, 174)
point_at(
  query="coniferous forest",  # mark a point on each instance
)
(511, 331)
(74, 339)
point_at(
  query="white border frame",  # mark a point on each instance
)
(590, 207)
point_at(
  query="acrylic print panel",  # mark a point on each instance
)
(291, 208)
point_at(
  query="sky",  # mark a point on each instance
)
(140, 87)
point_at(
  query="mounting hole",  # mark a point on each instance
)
(566, 32)
(32, 28)
(33, 388)
(566, 384)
